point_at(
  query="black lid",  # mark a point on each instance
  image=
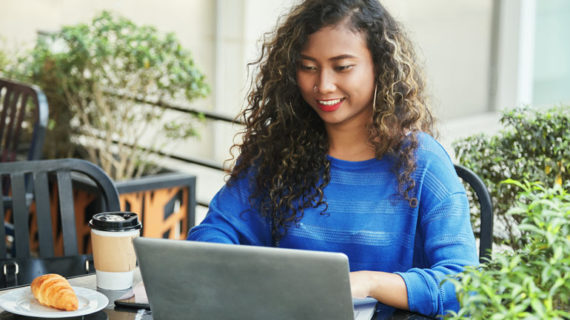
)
(115, 221)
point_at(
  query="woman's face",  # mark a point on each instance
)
(335, 75)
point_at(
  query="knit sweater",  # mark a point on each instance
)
(371, 223)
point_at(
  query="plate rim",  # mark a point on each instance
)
(102, 301)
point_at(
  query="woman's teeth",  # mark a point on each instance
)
(329, 102)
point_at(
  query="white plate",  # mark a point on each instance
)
(21, 301)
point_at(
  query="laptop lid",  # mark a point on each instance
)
(197, 280)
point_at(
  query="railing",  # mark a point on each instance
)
(210, 116)
(180, 108)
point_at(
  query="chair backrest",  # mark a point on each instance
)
(486, 208)
(42, 173)
(21, 103)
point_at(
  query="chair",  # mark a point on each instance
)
(486, 207)
(44, 174)
(21, 105)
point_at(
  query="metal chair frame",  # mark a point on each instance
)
(486, 206)
(40, 171)
(14, 99)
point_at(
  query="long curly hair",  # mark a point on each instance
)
(284, 140)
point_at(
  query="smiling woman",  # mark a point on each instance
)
(337, 156)
(336, 78)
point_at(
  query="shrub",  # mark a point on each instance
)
(533, 146)
(6, 56)
(3, 60)
(93, 74)
(534, 281)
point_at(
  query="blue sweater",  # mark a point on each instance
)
(369, 222)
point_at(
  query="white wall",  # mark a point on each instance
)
(192, 21)
(453, 40)
(516, 41)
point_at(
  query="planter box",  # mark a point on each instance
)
(165, 203)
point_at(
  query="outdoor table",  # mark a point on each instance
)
(113, 313)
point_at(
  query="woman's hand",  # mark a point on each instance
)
(388, 288)
(360, 284)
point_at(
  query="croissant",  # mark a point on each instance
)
(54, 291)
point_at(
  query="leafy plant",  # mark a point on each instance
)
(95, 77)
(534, 281)
(6, 54)
(3, 61)
(533, 146)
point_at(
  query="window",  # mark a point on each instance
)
(551, 75)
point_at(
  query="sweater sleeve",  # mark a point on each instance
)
(230, 219)
(446, 240)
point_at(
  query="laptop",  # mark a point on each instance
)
(198, 280)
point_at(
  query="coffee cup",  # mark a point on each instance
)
(112, 235)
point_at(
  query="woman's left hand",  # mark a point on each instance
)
(388, 288)
(360, 284)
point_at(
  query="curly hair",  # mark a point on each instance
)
(284, 140)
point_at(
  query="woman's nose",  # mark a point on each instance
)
(325, 82)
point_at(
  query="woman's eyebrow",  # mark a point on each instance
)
(342, 57)
(304, 57)
(335, 58)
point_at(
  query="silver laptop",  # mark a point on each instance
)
(197, 280)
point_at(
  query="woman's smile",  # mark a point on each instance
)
(330, 105)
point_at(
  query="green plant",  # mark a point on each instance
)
(5, 54)
(534, 281)
(93, 74)
(533, 146)
(3, 61)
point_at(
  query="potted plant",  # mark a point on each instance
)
(532, 282)
(95, 76)
(534, 145)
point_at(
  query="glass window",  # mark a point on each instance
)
(551, 83)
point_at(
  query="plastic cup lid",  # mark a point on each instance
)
(115, 221)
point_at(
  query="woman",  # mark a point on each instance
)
(337, 156)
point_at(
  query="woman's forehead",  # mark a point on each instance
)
(334, 40)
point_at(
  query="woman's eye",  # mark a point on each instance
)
(343, 68)
(307, 67)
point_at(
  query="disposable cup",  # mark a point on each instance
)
(112, 235)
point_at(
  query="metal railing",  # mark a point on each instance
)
(208, 115)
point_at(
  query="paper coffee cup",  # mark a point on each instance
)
(112, 235)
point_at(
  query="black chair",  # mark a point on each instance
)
(44, 174)
(22, 105)
(23, 122)
(486, 208)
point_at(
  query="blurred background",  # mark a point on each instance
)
(480, 56)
